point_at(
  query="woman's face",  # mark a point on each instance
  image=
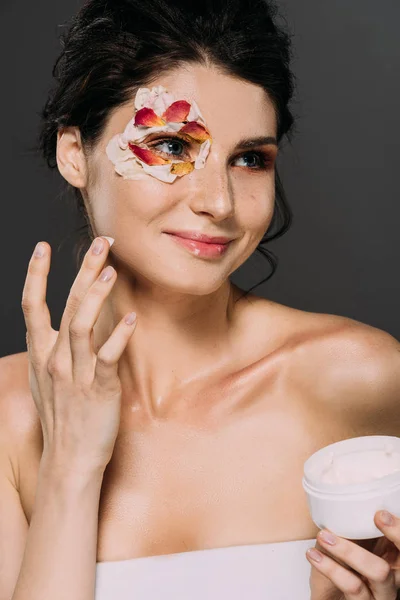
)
(232, 195)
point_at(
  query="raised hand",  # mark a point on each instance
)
(366, 570)
(76, 391)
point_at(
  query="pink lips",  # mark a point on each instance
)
(201, 248)
(201, 237)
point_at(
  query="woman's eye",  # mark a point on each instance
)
(172, 147)
(258, 160)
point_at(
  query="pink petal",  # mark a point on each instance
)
(197, 131)
(177, 112)
(147, 117)
(147, 156)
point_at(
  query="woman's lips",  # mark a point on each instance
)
(202, 249)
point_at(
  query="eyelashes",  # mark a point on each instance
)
(264, 158)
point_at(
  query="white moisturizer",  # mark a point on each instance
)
(361, 466)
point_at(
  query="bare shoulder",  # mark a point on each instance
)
(351, 367)
(19, 420)
(337, 362)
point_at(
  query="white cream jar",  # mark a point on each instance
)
(349, 481)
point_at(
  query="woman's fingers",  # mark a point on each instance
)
(375, 571)
(111, 351)
(329, 577)
(391, 531)
(82, 323)
(36, 313)
(92, 265)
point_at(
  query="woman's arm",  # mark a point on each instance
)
(59, 562)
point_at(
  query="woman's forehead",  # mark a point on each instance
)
(230, 106)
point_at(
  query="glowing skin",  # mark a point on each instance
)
(188, 325)
(157, 111)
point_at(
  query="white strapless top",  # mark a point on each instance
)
(276, 571)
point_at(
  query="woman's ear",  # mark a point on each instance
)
(71, 160)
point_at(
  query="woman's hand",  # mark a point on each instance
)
(76, 391)
(366, 570)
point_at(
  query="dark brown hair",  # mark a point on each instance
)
(111, 48)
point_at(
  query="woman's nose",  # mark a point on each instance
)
(214, 194)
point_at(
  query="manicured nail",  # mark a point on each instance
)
(98, 246)
(314, 554)
(327, 537)
(110, 239)
(386, 517)
(106, 274)
(130, 319)
(39, 250)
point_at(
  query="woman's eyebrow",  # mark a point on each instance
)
(257, 141)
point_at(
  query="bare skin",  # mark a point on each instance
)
(224, 466)
(213, 436)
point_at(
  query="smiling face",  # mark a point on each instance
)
(231, 195)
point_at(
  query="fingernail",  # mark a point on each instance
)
(39, 250)
(386, 517)
(110, 239)
(130, 319)
(327, 537)
(314, 554)
(106, 274)
(98, 246)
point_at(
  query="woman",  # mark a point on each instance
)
(162, 456)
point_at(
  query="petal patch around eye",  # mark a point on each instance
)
(147, 156)
(156, 111)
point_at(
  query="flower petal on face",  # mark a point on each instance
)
(157, 98)
(195, 114)
(114, 151)
(141, 98)
(131, 132)
(182, 168)
(147, 117)
(147, 156)
(177, 112)
(138, 134)
(130, 169)
(160, 172)
(203, 153)
(197, 131)
(162, 102)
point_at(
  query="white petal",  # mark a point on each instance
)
(203, 153)
(137, 169)
(161, 172)
(141, 98)
(115, 153)
(130, 169)
(123, 143)
(194, 113)
(132, 131)
(162, 102)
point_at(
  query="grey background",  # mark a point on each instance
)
(341, 172)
